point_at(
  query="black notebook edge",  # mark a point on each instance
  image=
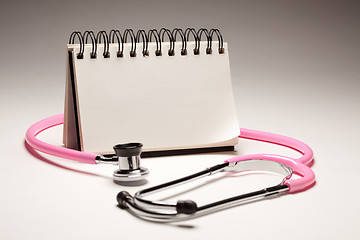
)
(73, 118)
(176, 152)
(186, 151)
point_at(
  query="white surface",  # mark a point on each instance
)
(164, 102)
(63, 199)
(296, 71)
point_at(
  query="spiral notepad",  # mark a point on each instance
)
(170, 90)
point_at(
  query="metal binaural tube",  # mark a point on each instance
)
(184, 210)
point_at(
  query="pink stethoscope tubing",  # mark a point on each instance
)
(44, 147)
(299, 165)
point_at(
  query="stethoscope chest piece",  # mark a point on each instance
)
(129, 163)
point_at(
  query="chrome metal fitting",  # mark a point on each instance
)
(129, 163)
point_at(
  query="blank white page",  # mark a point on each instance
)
(165, 102)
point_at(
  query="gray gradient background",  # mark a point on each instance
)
(296, 71)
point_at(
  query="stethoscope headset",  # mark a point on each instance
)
(127, 156)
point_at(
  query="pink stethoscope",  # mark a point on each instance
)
(128, 159)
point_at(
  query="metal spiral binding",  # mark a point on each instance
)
(105, 37)
(115, 36)
(171, 51)
(130, 32)
(80, 54)
(85, 36)
(183, 40)
(155, 33)
(116, 33)
(145, 41)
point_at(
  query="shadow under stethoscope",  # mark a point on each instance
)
(225, 176)
(38, 156)
(193, 226)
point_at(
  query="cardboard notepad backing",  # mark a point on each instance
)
(171, 104)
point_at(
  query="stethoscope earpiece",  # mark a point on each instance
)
(129, 163)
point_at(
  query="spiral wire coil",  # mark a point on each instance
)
(153, 35)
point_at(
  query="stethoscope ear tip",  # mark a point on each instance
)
(122, 198)
(186, 207)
